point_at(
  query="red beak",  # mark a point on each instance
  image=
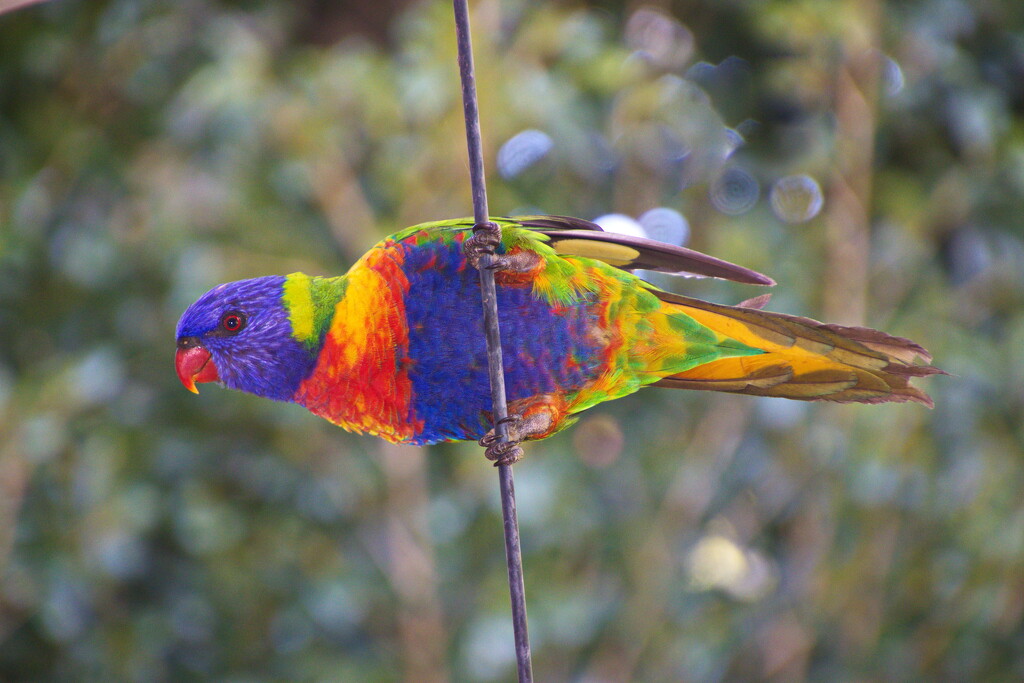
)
(195, 365)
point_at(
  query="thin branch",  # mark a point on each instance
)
(481, 216)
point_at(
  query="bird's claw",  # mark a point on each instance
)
(481, 248)
(485, 239)
(503, 452)
(511, 419)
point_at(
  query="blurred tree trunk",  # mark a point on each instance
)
(411, 565)
(848, 212)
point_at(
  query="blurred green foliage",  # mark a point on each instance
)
(868, 155)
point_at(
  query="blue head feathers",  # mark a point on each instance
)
(246, 329)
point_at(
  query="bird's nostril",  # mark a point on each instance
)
(188, 342)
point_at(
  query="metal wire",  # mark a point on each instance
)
(513, 554)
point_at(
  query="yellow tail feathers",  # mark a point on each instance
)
(803, 359)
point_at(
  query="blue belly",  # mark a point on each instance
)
(546, 350)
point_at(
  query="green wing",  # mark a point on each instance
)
(577, 237)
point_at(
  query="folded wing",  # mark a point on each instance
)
(577, 237)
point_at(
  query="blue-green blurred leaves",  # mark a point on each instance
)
(859, 153)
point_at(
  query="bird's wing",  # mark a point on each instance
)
(556, 223)
(577, 237)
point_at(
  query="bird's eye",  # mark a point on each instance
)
(232, 322)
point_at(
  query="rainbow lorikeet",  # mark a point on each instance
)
(396, 348)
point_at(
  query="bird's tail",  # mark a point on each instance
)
(803, 359)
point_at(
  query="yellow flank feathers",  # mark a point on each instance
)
(300, 306)
(617, 255)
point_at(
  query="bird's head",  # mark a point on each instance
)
(240, 334)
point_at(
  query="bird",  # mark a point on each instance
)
(396, 348)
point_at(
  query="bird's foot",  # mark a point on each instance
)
(517, 266)
(485, 239)
(536, 422)
(504, 452)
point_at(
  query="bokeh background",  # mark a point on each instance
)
(869, 155)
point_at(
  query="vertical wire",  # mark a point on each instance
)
(513, 553)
